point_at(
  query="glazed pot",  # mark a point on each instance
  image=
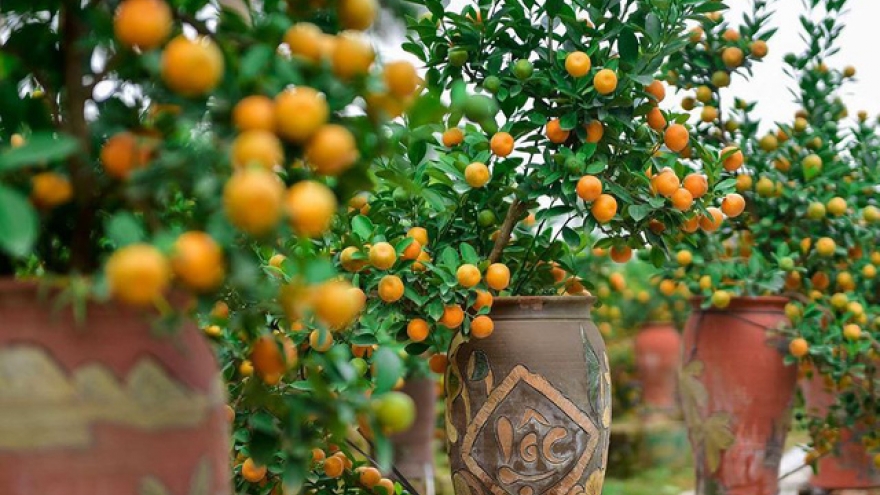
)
(413, 449)
(657, 349)
(528, 409)
(106, 407)
(849, 466)
(737, 395)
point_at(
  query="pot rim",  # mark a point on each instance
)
(542, 307)
(743, 303)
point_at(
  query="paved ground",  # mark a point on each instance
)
(792, 467)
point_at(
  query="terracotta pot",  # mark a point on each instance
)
(529, 408)
(413, 449)
(658, 356)
(106, 407)
(737, 395)
(850, 466)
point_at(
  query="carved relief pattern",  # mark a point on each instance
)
(41, 406)
(527, 438)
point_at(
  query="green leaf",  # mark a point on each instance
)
(318, 270)
(18, 223)
(38, 149)
(254, 61)
(628, 45)
(469, 254)
(362, 227)
(449, 259)
(389, 369)
(638, 212)
(124, 228)
(364, 339)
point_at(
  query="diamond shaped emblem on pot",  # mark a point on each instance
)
(529, 439)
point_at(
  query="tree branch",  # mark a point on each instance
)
(513, 212)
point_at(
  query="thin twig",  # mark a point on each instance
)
(403, 481)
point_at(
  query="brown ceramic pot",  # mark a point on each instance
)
(850, 466)
(529, 408)
(413, 449)
(737, 395)
(106, 407)
(657, 349)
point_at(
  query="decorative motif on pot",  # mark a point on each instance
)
(45, 407)
(714, 432)
(199, 484)
(530, 451)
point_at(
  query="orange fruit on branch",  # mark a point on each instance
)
(477, 174)
(501, 144)
(390, 288)
(712, 221)
(555, 133)
(452, 317)
(401, 78)
(251, 472)
(192, 68)
(144, 24)
(417, 330)
(305, 41)
(595, 131)
(604, 208)
(331, 150)
(357, 14)
(257, 147)
(137, 274)
(49, 189)
(656, 90)
(498, 276)
(577, 64)
(254, 113)
(589, 188)
(452, 137)
(605, 81)
(468, 275)
(252, 200)
(733, 205)
(299, 113)
(733, 158)
(482, 326)
(676, 137)
(382, 255)
(198, 261)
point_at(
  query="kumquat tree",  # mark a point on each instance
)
(299, 247)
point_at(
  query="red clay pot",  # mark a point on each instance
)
(658, 357)
(106, 407)
(528, 409)
(850, 466)
(413, 449)
(737, 395)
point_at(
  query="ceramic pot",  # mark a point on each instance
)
(657, 349)
(106, 407)
(413, 449)
(529, 407)
(737, 395)
(849, 466)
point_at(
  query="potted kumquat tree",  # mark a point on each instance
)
(150, 151)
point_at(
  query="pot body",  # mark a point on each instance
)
(737, 395)
(529, 407)
(106, 407)
(413, 449)
(849, 466)
(657, 349)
